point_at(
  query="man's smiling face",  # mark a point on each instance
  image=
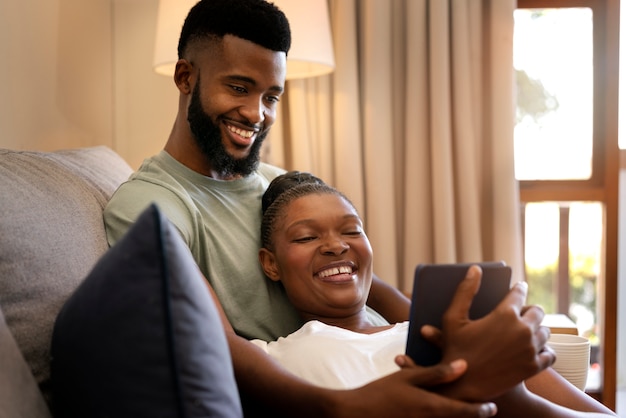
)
(233, 104)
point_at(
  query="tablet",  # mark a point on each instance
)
(433, 289)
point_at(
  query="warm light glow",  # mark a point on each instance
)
(170, 18)
(311, 52)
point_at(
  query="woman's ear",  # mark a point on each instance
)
(182, 76)
(268, 263)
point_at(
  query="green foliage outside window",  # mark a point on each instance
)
(582, 280)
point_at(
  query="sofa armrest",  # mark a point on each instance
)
(51, 234)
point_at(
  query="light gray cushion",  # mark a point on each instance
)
(19, 394)
(51, 235)
(141, 336)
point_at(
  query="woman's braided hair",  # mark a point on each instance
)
(283, 190)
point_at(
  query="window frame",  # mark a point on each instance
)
(604, 182)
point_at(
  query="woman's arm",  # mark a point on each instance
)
(521, 402)
(553, 387)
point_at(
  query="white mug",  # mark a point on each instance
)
(572, 357)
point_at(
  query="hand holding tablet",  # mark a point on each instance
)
(483, 322)
(433, 289)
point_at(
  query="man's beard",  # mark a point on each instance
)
(209, 138)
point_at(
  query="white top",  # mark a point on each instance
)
(336, 358)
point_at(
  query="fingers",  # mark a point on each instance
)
(542, 335)
(406, 394)
(464, 295)
(457, 367)
(403, 361)
(488, 409)
(516, 297)
(453, 408)
(434, 375)
(533, 314)
(432, 334)
(547, 357)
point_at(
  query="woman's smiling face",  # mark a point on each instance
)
(322, 256)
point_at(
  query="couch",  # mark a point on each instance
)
(90, 331)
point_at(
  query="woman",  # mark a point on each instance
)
(313, 241)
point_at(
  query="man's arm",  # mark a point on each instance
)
(415, 391)
(270, 388)
(388, 301)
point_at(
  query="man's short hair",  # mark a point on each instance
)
(257, 21)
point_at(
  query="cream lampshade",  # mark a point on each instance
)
(311, 52)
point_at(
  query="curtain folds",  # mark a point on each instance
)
(416, 127)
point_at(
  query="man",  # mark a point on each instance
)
(209, 182)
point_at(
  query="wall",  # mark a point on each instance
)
(56, 89)
(78, 73)
(145, 102)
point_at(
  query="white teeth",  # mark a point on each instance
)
(241, 132)
(335, 270)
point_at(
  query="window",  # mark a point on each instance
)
(553, 63)
(566, 159)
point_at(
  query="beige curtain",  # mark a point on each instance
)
(416, 127)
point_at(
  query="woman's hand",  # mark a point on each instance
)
(501, 349)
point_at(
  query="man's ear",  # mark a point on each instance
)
(268, 263)
(182, 76)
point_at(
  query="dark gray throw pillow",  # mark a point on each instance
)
(141, 336)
